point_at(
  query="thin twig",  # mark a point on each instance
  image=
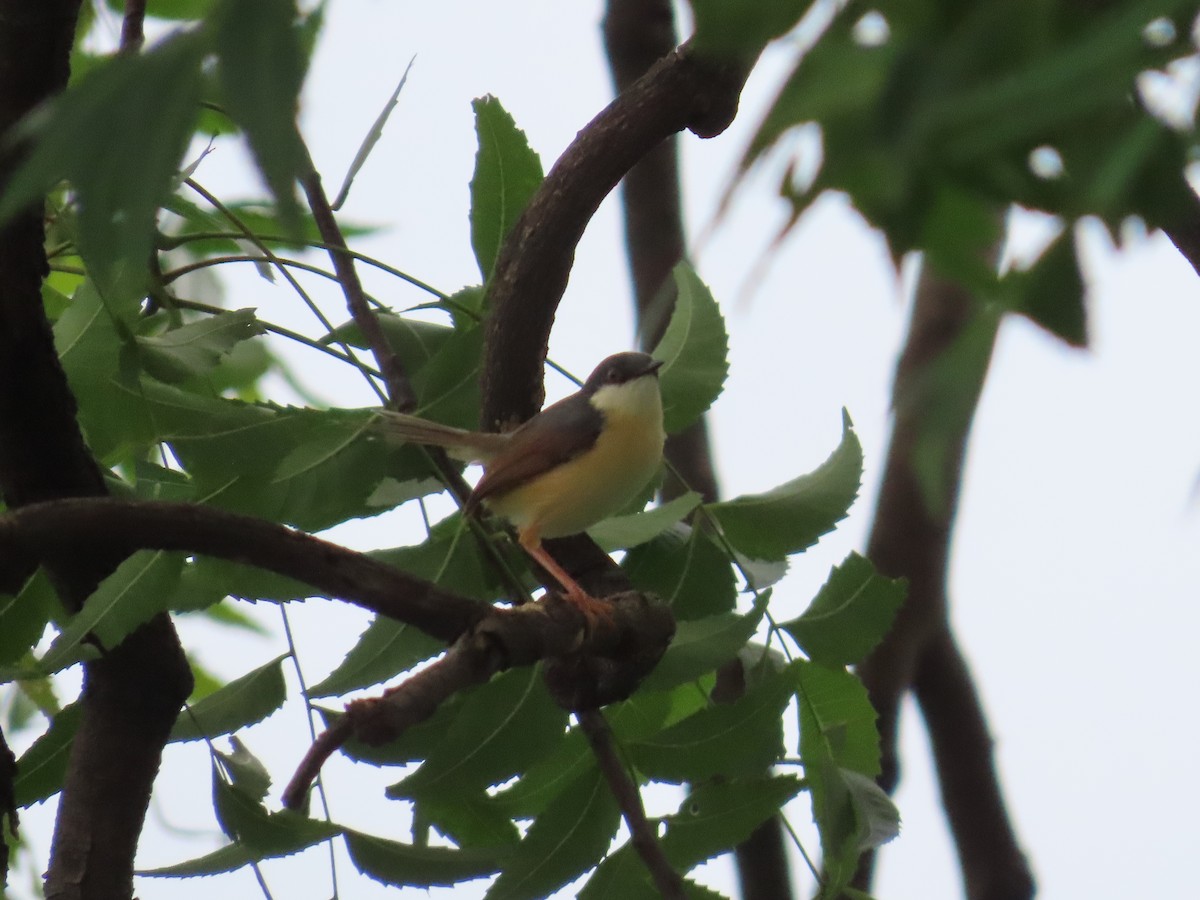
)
(132, 34)
(400, 390)
(641, 833)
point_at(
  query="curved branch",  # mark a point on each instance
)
(45, 529)
(680, 91)
(551, 629)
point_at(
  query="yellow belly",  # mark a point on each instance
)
(576, 495)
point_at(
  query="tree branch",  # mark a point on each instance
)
(37, 532)
(506, 638)
(400, 391)
(681, 91)
(132, 696)
(641, 833)
(911, 540)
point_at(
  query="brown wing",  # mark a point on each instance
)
(558, 433)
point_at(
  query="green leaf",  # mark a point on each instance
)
(727, 739)
(404, 864)
(119, 136)
(840, 750)
(195, 349)
(850, 614)
(702, 645)
(478, 821)
(563, 842)
(1051, 292)
(90, 338)
(140, 587)
(385, 649)
(742, 28)
(623, 532)
(502, 728)
(547, 778)
(836, 705)
(414, 340)
(169, 9)
(266, 835)
(688, 569)
(229, 858)
(877, 816)
(694, 350)
(507, 172)
(791, 517)
(41, 768)
(242, 702)
(448, 385)
(25, 615)
(246, 770)
(720, 814)
(260, 67)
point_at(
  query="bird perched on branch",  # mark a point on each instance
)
(578, 461)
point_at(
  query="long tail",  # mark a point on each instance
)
(458, 442)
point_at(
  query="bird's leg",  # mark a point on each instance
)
(573, 591)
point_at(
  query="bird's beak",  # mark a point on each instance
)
(653, 366)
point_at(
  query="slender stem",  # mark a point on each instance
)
(668, 882)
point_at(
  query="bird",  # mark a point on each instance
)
(573, 464)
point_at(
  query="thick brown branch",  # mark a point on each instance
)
(911, 540)
(992, 864)
(681, 91)
(400, 390)
(132, 696)
(551, 629)
(641, 833)
(46, 529)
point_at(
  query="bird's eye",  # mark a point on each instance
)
(613, 376)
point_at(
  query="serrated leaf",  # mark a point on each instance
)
(260, 67)
(624, 875)
(384, 649)
(694, 350)
(246, 770)
(507, 172)
(229, 858)
(196, 348)
(265, 834)
(41, 768)
(623, 532)
(478, 821)
(702, 645)
(720, 814)
(851, 613)
(728, 739)
(687, 568)
(792, 517)
(564, 841)
(142, 586)
(837, 705)
(414, 340)
(503, 727)
(404, 864)
(119, 136)
(241, 703)
(25, 615)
